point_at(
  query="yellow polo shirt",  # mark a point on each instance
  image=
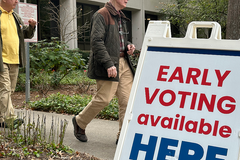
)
(10, 39)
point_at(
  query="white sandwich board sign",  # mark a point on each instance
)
(185, 99)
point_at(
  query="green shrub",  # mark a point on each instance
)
(76, 77)
(21, 82)
(54, 57)
(80, 79)
(85, 55)
(61, 103)
(134, 58)
(41, 82)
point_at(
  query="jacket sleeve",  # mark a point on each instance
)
(127, 43)
(98, 33)
(28, 31)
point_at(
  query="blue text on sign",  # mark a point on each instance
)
(163, 151)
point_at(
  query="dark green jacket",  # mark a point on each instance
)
(105, 43)
(23, 32)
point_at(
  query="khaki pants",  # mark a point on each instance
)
(8, 81)
(105, 92)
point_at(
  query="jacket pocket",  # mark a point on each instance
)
(100, 71)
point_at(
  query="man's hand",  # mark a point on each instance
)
(32, 22)
(131, 49)
(112, 72)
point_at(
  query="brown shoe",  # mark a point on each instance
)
(79, 133)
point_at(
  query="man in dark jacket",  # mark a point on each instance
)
(12, 54)
(109, 64)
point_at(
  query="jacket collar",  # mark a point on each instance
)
(114, 12)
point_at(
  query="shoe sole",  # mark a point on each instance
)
(74, 125)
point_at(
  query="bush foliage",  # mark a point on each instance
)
(61, 103)
(55, 59)
(53, 64)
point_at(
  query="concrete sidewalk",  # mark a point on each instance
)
(101, 135)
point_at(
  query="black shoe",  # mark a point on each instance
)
(14, 125)
(3, 125)
(79, 133)
(116, 141)
(17, 123)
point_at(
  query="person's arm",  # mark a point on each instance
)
(28, 30)
(130, 49)
(98, 33)
(32, 22)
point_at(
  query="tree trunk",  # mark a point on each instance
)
(233, 20)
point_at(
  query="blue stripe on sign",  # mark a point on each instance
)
(195, 51)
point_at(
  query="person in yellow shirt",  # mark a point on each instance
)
(12, 56)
